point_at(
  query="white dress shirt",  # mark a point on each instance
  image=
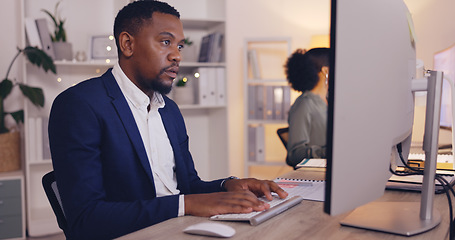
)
(153, 134)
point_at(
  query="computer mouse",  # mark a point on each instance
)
(212, 229)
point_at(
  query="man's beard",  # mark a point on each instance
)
(158, 86)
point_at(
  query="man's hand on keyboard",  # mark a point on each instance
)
(258, 187)
(205, 205)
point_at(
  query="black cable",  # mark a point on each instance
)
(448, 187)
(400, 154)
(447, 190)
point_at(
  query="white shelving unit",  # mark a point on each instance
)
(206, 125)
(266, 104)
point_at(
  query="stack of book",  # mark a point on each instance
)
(211, 48)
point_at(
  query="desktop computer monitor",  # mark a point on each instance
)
(371, 104)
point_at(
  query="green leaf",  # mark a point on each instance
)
(187, 41)
(35, 95)
(39, 58)
(18, 116)
(51, 16)
(181, 82)
(5, 88)
(59, 34)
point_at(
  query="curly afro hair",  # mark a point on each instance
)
(302, 67)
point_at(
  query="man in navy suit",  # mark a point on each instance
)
(119, 145)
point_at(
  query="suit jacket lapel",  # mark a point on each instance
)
(126, 116)
(168, 119)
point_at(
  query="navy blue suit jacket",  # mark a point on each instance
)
(100, 163)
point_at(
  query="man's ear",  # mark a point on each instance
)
(126, 44)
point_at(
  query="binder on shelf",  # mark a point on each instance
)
(204, 51)
(260, 144)
(278, 103)
(216, 47)
(211, 80)
(220, 86)
(253, 63)
(45, 37)
(31, 30)
(252, 108)
(45, 139)
(39, 138)
(251, 144)
(260, 102)
(202, 91)
(286, 101)
(269, 102)
(31, 131)
(256, 144)
(206, 86)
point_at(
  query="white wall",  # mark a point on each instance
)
(434, 27)
(10, 17)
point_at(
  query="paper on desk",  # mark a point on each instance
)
(416, 179)
(307, 189)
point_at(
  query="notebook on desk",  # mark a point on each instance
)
(414, 182)
(297, 191)
(312, 162)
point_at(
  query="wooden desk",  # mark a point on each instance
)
(305, 221)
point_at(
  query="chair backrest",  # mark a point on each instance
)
(283, 134)
(50, 187)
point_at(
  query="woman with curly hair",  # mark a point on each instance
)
(307, 72)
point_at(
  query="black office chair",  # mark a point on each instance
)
(283, 135)
(50, 187)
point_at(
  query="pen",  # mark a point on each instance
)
(296, 183)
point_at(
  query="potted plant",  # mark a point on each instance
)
(10, 140)
(63, 50)
(182, 93)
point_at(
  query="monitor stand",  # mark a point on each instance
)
(410, 218)
(402, 218)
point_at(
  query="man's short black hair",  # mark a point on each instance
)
(302, 68)
(133, 16)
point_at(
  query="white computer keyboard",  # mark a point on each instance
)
(277, 206)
